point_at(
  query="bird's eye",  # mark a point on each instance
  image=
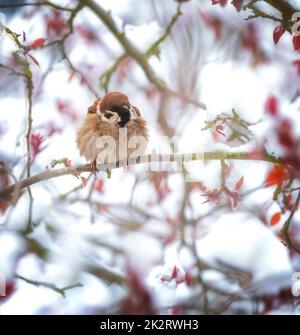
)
(108, 115)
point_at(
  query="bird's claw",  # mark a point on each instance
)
(94, 168)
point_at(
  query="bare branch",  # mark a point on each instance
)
(11, 70)
(75, 70)
(132, 50)
(286, 226)
(283, 7)
(153, 48)
(105, 274)
(50, 286)
(43, 3)
(27, 74)
(76, 170)
(106, 76)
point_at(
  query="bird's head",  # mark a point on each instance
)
(115, 108)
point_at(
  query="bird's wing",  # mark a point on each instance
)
(137, 110)
(93, 108)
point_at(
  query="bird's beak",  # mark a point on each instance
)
(126, 108)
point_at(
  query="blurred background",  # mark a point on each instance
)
(149, 242)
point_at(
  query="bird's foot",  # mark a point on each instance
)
(94, 168)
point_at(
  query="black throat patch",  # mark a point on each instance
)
(124, 114)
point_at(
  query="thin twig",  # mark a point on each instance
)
(106, 76)
(27, 73)
(134, 52)
(75, 70)
(12, 70)
(154, 47)
(50, 286)
(282, 6)
(286, 226)
(223, 175)
(43, 3)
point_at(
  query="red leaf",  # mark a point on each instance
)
(188, 279)
(65, 107)
(165, 278)
(271, 106)
(10, 288)
(277, 33)
(36, 141)
(34, 60)
(88, 33)
(37, 43)
(249, 38)
(288, 201)
(3, 206)
(239, 183)
(237, 4)
(102, 208)
(212, 22)
(99, 185)
(221, 2)
(219, 129)
(275, 218)
(56, 24)
(4, 179)
(160, 183)
(276, 175)
(139, 299)
(213, 196)
(296, 42)
(174, 272)
(233, 197)
(285, 135)
(83, 181)
(71, 76)
(297, 64)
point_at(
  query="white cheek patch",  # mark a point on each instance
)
(98, 112)
(113, 119)
(133, 115)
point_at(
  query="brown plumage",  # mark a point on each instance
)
(112, 116)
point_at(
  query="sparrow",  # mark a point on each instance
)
(113, 130)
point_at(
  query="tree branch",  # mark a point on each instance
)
(53, 287)
(76, 170)
(11, 70)
(133, 51)
(43, 3)
(152, 50)
(27, 74)
(282, 6)
(286, 226)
